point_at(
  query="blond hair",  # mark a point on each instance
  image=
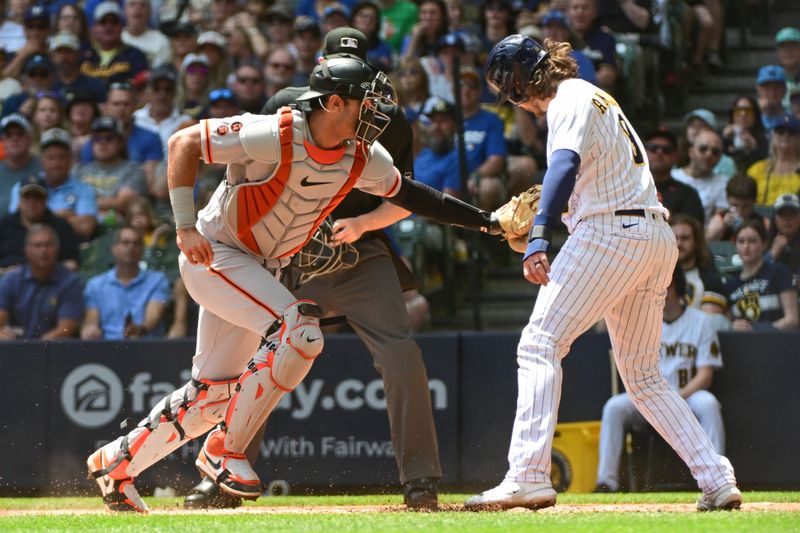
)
(559, 65)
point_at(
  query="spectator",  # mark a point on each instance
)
(497, 22)
(625, 16)
(484, 142)
(222, 103)
(696, 121)
(37, 30)
(761, 296)
(212, 45)
(41, 300)
(110, 59)
(334, 16)
(125, 302)
(787, 41)
(771, 88)
(704, 154)
(741, 192)
(307, 41)
(160, 113)
(8, 86)
(279, 70)
(705, 289)
(413, 88)
(744, 138)
(794, 102)
(72, 19)
(705, 39)
(556, 27)
(114, 179)
(399, 18)
(367, 19)
(439, 67)
(279, 26)
(193, 85)
(427, 34)
(47, 113)
(221, 11)
(81, 110)
(153, 43)
(33, 210)
(244, 43)
(662, 154)
(183, 41)
(785, 229)
(12, 35)
(689, 355)
(37, 78)
(66, 196)
(19, 164)
(249, 88)
(144, 145)
(596, 44)
(780, 172)
(436, 163)
(65, 53)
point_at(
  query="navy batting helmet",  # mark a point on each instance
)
(511, 65)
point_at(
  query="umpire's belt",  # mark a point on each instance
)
(637, 213)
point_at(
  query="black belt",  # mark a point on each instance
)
(630, 213)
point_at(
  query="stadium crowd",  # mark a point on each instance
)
(91, 91)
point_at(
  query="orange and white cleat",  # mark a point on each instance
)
(231, 471)
(119, 495)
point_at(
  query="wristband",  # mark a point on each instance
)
(182, 200)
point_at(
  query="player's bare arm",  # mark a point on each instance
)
(183, 161)
(349, 230)
(701, 381)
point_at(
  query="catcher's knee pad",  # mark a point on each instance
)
(183, 415)
(290, 347)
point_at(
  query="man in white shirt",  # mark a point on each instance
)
(704, 154)
(153, 43)
(160, 113)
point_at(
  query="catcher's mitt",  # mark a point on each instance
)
(516, 217)
(320, 256)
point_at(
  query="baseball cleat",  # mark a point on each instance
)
(207, 494)
(509, 494)
(119, 495)
(422, 494)
(229, 470)
(727, 498)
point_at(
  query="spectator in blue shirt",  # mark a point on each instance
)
(16, 134)
(437, 163)
(599, 46)
(555, 26)
(42, 300)
(771, 89)
(485, 143)
(66, 196)
(126, 302)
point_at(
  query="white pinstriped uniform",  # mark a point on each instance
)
(612, 267)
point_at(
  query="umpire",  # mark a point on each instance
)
(370, 295)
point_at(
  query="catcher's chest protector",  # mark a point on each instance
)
(275, 217)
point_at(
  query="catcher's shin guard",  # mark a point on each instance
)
(184, 414)
(290, 347)
(119, 495)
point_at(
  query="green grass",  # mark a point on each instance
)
(605, 522)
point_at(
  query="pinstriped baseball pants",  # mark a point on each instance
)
(617, 268)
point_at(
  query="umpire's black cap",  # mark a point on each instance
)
(345, 40)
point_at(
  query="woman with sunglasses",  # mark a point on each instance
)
(779, 173)
(744, 138)
(761, 296)
(193, 85)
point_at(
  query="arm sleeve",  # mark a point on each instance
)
(71, 305)
(428, 202)
(559, 181)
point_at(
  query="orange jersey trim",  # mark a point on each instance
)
(396, 184)
(208, 142)
(323, 156)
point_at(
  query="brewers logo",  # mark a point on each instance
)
(749, 306)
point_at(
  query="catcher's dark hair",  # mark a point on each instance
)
(559, 65)
(702, 255)
(755, 225)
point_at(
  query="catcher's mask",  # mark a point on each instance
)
(321, 256)
(371, 120)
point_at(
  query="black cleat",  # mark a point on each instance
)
(603, 488)
(422, 494)
(207, 494)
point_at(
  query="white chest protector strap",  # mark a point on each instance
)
(291, 345)
(185, 414)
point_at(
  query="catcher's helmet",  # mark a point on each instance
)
(510, 67)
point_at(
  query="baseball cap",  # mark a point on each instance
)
(439, 106)
(786, 121)
(211, 37)
(37, 12)
(194, 59)
(182, 28)
(787, 200)
(771, 73)
(16, 119)
(38, 61)
(65, 39)
(277, 12)
(787, 35)
(33, 186)
(345, 40)
(555, 15)
(219, 95)
(304, 23)
(55, 136)
(79, 97)
(107, 8)
(470, 72)
(451, 39)
(335, 8)
(107, 124)
(661, 134)
(703, 114)
(164, 72)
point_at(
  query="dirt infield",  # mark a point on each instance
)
(757, 507)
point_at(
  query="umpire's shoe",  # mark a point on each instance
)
(207, 494)
(510, 494)
(422, 494)
(727, 498)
